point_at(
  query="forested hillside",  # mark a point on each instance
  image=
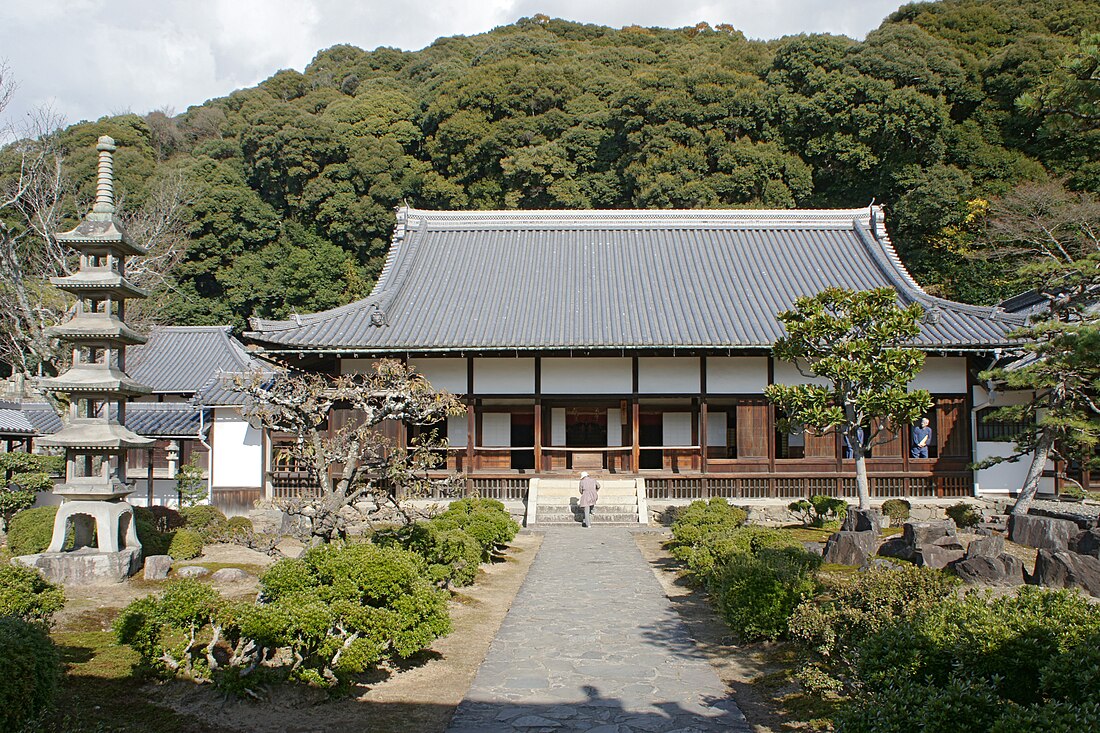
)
(291, 185)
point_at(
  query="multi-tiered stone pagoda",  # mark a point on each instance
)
(95, 438)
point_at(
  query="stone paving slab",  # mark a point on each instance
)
(591, 643)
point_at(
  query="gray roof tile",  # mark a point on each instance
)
(165, 419)
(15, 423)
(619, 280)
(181, 359)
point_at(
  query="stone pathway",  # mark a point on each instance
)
(591, 643)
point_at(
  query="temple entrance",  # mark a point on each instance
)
(650, 432)
(585, 427)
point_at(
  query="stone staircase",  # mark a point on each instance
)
(554, 501)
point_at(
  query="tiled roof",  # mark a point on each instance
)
(165, 419)
(181, 359)
(593, 280)
(14, 423)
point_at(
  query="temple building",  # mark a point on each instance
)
(639, 343)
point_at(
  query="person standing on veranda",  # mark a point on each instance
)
(589, 492)
(920, 439)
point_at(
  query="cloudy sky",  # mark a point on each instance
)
(88, 58)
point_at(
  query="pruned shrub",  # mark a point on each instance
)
(486, 520)
(166, 519)
(31, 530)
(897, 510)
(453, 556)
(700, 520)
(239, 525)
(708, 556)
(27, 595)
(164, 628)
(964, 515)
(29, 672)
(756, 592)
(832, 629)
(29, 473)
(819, 510)
(185, 544)
(204, 519)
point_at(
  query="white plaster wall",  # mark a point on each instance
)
(238, 451)
(668, 375)
(457, 427)
(787, 373)
(504, 376)
(716, 429)
(676, 428)
(557, 426)
(614, 426)
(496, 429)
(1005, 477)
(737, 374)
(444, 373)
(942, 375)
(594, 375)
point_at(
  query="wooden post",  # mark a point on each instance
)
(149, 488)
(538, 435)
(469, 442)
(703, 419)
(635, 451)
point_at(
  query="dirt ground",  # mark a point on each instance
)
(418, 697)
(756, 674)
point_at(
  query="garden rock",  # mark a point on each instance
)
(948, 543)
(157, 567)
(1045, 533)
(1002, 570)
(917, 534)
(814, 548)
(192, 571)
(862, 520)
(229, 575)
(850, 548)
(896, 547)
(991, 546)
(1086, 543)
(934, 556)
(1067, 570)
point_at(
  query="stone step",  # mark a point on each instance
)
(577, 511)
(573, 491)
(597, 518)
(566, 500)
(572, 484)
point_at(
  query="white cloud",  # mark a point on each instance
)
(89, 58)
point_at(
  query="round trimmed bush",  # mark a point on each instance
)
(239, 526)
(29, 672)
(206, 520)
(30, 531)
(27, 595)
(897, 510)
(964, 515)
(153, 541)
(166, 519)
(453, 555)
(186, 544)
(758, 592)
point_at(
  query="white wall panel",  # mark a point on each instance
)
(942, 375)
(614, 426)
(676, 428)
(238, 451)
(737, 374)
(557, 426)
(446, 373)
(457, 427)
(496, 429)
(1005, 477)
(787, 373)
(586, 375)
(668, 375)
(504, 376)
(716, 429)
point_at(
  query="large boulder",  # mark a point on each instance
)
(934, 556)
(991, 546)
(230, 575)
(1067, 570)
(917, 534)
(192, 571)
(898, 548)
(850, 548)
(1044, 533)
(1086, 543)
(862, 520)
(1000, 570)
(157, 567)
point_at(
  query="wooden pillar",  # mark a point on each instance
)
(696, 431)
(703, 419)
(149, 477)
(771, 431)
(635, 417)
(538, 435)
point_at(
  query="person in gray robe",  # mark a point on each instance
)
(589, 491)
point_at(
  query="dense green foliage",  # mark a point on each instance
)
(185, 544)
(29, 672)
(819, 510)
(22, 475)
(896, 510)
(963, 514)
(31, 530)
(207, 520)
(1016, 663)
(190, 484)
(486, 520)
(27, 595)
(294, 182)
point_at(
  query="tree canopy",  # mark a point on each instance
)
(292, 183)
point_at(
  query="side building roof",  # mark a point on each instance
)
(512, 281)
(181, 359)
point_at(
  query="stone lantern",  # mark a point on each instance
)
(95, 438)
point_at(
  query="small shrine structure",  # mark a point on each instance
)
(95, 438)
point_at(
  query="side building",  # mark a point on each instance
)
(639, 343)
